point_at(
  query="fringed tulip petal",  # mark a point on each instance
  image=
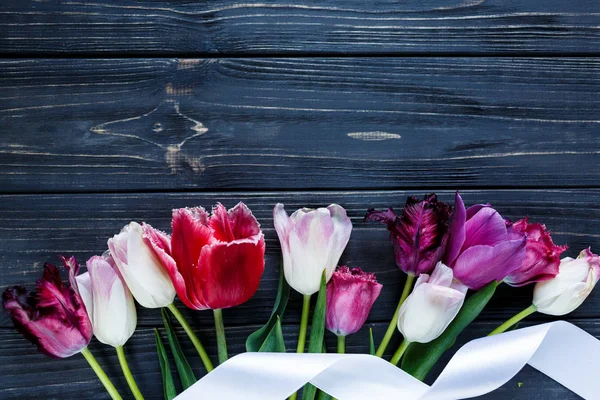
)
(542, 256)
(350, 296)
(418, 235)
(55, 319)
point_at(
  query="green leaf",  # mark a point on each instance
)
(186, 375)
(421, 357)
(274, 342)
(317, 332)
(371, 342)
(257, 340)
(165, 368)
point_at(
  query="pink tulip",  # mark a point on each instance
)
(542, 256)
(55, 319)
(418, 234)
(350, 296)
(479, 248)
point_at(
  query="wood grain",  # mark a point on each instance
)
(220, 26)
(35, 228)
(298, 123)
(26, 374)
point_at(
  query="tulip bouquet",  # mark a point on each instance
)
(454, 258)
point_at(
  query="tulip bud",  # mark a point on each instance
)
(418, 234)
(108, 302)
(55, 318)
(350, 296)
(311, 241)
(141, 269)
(567, 291)
(213, 261)
(432, 305)
(542, 256)
(479, 248)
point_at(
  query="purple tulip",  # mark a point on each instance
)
(479, 248)
(55, 319)
(417, 235)
(542, 256)
(350, 296)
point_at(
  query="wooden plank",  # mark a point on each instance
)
(35, 228)
(210, 124)
(274, 26)
(28, 374)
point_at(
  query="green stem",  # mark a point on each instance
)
(512, 321)
(394, 322)
(221, 342)
(341, 344)
(303, 329)
(110, 388)
(400, 352)
(128, 376)
(195, 341)
(303, 324)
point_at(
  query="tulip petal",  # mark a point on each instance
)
(231, 272)
(84, 283)
(479, 265)
(486, 227)
(237, 223)
(342, 229)
(190, 234)
(282, 224)
(139, 265)
(162, 248)
(456, 235)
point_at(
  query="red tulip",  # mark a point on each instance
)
(213, 261)
(417, 235)
(350, 296)
(55, 318)
(542, 256)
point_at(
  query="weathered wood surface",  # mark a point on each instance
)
(264, 123)
(275, 26)
(35, 228)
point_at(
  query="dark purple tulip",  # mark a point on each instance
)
(542, 256)
(479, 248)
(418, 235)
(55, 318)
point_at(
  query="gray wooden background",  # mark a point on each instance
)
(112, 111)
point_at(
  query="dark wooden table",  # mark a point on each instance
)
(112, 111)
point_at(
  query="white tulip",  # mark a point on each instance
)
(566, 291)
(311, 241)
(141, 269)
(432, 305)
(108, 302)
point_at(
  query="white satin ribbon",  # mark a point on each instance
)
(559, 349)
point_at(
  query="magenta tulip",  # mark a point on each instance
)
(542, 256)
(55, 319)
(350, 296)
(479, 248)
(418, 234)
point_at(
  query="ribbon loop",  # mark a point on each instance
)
(559, 349)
